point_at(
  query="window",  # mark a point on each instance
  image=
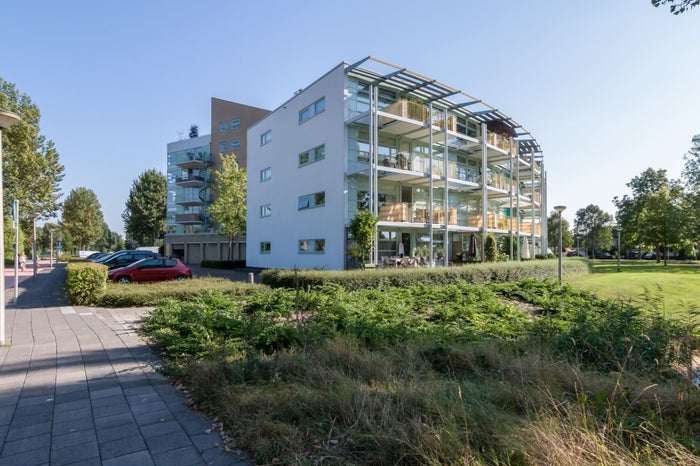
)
(223, 126)
(312, 246)
(313, 155)
(265, 174)
(312, 200)
(235, 124)
(312, 110)
(265, 247)
(223, 146)
(266, 210)
(266, 137)
(235, 144)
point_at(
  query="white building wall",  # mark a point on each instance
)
(287, 224)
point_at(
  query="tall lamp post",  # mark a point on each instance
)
(560, 209)
(619, 246)
(34, 217)
(7, 119)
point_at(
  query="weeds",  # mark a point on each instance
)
(428, 375)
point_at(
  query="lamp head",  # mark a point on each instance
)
(560, 208)
(7, 119)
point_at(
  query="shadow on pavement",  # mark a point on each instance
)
(46, 289)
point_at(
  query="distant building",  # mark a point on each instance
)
(435, 165)
(191, 235)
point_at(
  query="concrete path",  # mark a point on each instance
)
(78, 386)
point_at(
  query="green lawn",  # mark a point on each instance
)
(676, 286)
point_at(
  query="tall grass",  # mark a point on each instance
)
(522, 374)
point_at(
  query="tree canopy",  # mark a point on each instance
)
(32, 172)
(677, 6)
(363, 230)
(228, 211)
(594, 227)
(82, 217)
(567, 240)
(144, 216)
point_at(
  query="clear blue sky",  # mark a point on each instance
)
(608, 88)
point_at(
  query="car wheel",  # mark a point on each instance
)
(180, 278)
(123, 280)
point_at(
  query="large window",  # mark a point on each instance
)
(265, 210)
(223, 147)
(265, 174)
(313, 155)
(223, 126)
(266, 137)
(312, 200)
(235, 124)
(235, 144)
(312, 110)
(265, 247)
(312, 246)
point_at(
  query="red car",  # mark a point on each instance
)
(151, 270)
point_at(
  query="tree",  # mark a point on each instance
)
(32, 172)
(567, 240)
(109, 240)
(363, 230)
(594, 227)
(228, 211)
(10, 238)
(662, 220)
(677, 6)
(144, 216)
(82, 217)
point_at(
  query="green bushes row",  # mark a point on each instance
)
(386, 278)
(226, 265)
(86, 282)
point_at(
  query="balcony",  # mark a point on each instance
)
(193, 160)
(189, 219)
(499, 141)
(416, 213)
(191, 181)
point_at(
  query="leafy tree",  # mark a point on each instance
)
(32, 172)
(43, 236)
(10, 238)
(662, 220)
(677, 6)
(363, 230)
(594, 227)
(567, 239)
(82, 217)
(110, 240)
(144, 216)
(229, 209)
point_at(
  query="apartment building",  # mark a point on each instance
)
(436, 165)
(191, 235)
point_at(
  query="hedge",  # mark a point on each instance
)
(384, 278)
(86, 282)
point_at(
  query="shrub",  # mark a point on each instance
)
(227, 265)
(86, 282)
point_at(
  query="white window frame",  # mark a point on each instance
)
(266, 174)
(312, 246)
(266, 137)
(265, 210)
(265, 247)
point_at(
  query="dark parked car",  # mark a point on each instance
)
(124, 258)
(151, 270)
(650, 256)
(96, 255)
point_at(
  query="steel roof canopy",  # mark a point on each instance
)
(377, 71)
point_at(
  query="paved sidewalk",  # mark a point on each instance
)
(78, 386)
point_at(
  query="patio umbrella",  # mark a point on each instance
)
(472, 245)
(401, 249)
(525, 249)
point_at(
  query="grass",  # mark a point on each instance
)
(527, 373)
(674, 289)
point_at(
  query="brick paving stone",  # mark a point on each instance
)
(79, 386)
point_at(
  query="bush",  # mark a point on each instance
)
(385, 278)
(86, 282)
(227, 265)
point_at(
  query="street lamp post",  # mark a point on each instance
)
(619, 248)
(34, 217)
(7, 119)
(560, 209)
